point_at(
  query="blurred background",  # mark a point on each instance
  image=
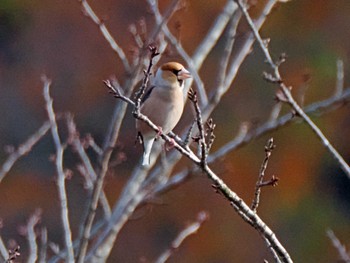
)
(55, 38)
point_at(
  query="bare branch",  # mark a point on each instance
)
(117, 93)
(139, 94)
(13, 254)
(3, 251)
(248, 215)
(344, 256)
(289, 98)
(184, 234)
(43, 248)
(192, 95)
(210, 134)
(91, 178)
(268, 150)
(225, 58)
(23, 149)
(176, 44)
(31, 236)
(60, 172)
(105, 32)
(246, 46)
(246, 137)
(172, 8)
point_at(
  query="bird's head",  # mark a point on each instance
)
(171, 74)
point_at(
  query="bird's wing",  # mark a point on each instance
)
(147, 94)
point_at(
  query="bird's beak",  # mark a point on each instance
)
(184, 74)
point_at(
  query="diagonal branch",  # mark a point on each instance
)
(3, 251)
(74, 139)
(247, 136)
(338, 246)
(23, 149)
(105, 32)
(276, 77)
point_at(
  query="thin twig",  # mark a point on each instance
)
(139, 94)
(172, 8)
(246, 137)
(192, 95)
(23, 149)
(60, 172)
(74, 139)
(248, 215)
(268, 150)
(339, 87)
(13, 254)
(31, 236)
(276, 78)
(344, 255)
(105, 32)
(184, 234)
(43, 248)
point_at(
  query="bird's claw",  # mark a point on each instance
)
(159, 132)
(170, 144)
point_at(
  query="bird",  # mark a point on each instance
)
(163, 104)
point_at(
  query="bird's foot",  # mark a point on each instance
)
(169, 145)
(159, 132)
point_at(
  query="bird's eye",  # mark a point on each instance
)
(176, 71)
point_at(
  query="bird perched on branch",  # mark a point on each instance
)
(163, 104)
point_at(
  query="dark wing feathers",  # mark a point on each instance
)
(147, 94)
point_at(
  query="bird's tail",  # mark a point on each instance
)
(146, 158)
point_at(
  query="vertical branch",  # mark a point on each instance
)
(225, 57)
(60, 172)
(91, 178)
(43, 249)
(13, 254)
(147, 73)
(31, 236)
(87, 225)
(268, 150)
(182, 236)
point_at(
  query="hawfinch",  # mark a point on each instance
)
(163, 104)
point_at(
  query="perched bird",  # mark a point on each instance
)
(163, 104)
